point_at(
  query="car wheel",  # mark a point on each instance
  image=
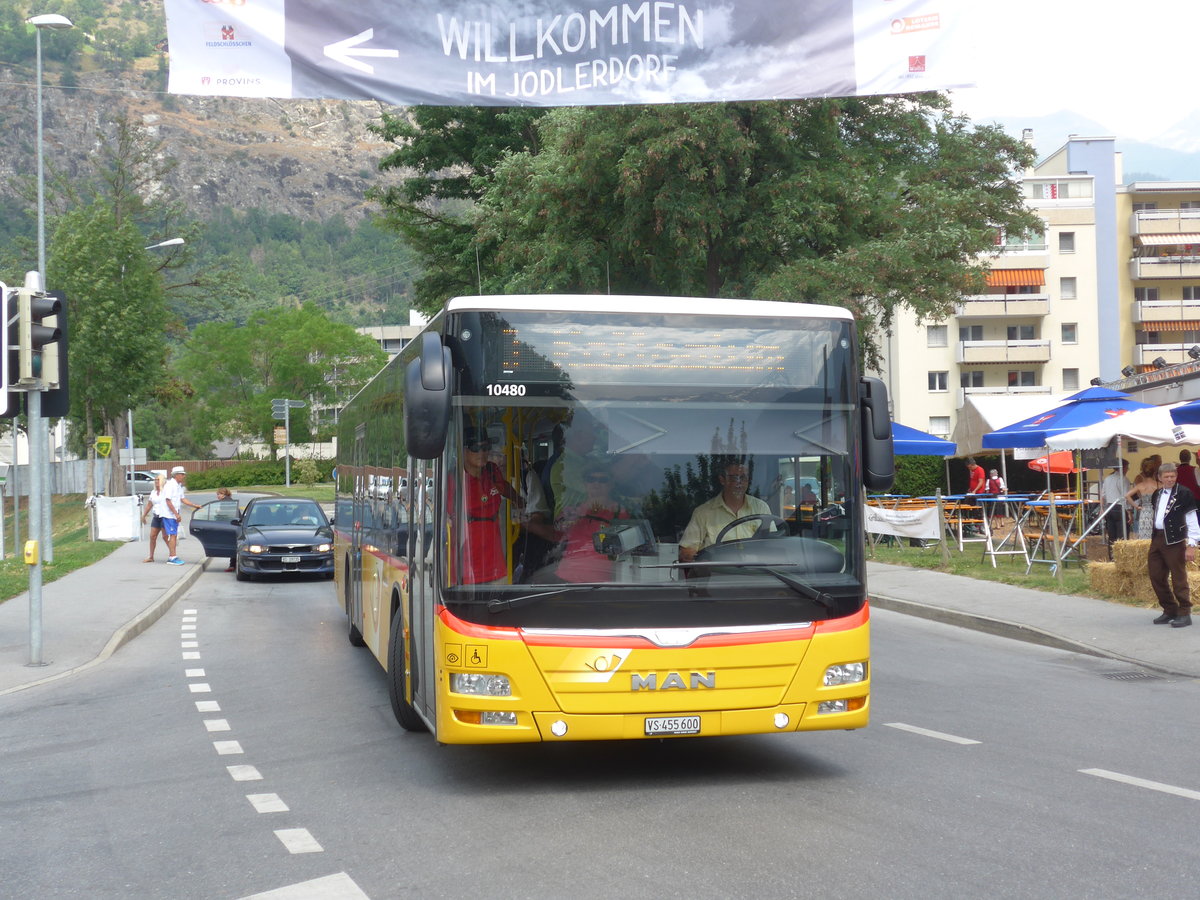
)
(241, 574)
(405, 714)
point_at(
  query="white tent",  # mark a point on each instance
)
(1149, 426)
(984, 413)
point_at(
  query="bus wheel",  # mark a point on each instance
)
(405, 714)
(355, 636)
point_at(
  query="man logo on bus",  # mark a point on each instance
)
(673, 682)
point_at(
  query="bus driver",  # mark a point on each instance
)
(732, 503)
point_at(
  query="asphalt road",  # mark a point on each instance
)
(991, 768)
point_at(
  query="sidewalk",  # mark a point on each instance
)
(88, 615)
(1083, 624)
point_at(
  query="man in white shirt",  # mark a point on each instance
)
(713, 515)
(174, 499)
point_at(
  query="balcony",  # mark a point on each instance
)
(1001, 391)
(980, 306)
(1000, 352)
(1151, 267)
(1146, 354)
(1165, 313)
(1164, 221)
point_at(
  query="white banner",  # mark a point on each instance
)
(910, 523)
(565, 53)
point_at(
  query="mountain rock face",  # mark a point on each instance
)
(312, 159)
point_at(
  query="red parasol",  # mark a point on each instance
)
(1060, 463)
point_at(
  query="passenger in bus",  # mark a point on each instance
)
(481, 558)
(580, 445)
(537, 535)
(580, 561)
(711, 516)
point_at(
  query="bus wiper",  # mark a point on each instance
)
(499, 604)
(800, 587)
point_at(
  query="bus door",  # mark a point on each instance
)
(422, 584)
(361, 509)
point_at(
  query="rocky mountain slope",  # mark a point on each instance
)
(311, 159)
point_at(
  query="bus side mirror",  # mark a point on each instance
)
(427, 383)
(878, 458)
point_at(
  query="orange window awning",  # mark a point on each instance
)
(1178, 325)
(1167, 240)
(1016, 277)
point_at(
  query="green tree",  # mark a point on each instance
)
(117, 318)
(235, 370)
(868, 203)
(453, 152)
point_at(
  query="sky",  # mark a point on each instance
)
(1130, 68)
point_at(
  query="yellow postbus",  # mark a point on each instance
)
(595, 517)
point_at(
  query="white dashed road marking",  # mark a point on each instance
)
(1143, 783)
(228, 748)
(267, 803)
(208, 706)
(938, 735)
(244, 773)
(199, 688)
(216, 724)
(332, 887)
(298, 840)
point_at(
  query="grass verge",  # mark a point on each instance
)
(72, 549)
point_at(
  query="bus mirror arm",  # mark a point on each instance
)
(878, 460)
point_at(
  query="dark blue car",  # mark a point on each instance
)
(271, 536)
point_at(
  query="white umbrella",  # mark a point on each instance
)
(1153, 425)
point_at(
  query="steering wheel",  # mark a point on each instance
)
(763, 531)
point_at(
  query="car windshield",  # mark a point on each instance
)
(282, 513)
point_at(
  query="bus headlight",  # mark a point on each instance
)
(846, 673)
(480, 684)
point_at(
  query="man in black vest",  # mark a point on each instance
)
(1172, 546)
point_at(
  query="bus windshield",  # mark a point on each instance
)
(650, 471)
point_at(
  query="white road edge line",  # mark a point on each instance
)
(938, 735)
(1143, 783)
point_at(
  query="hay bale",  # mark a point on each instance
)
(1106, 580)
(1130, 556)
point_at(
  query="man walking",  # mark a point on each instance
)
(1172, 546)
(174, 499)
(1112, 492)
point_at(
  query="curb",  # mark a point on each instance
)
(1011, 630)
(129, 630)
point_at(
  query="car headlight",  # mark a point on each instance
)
(323, 548)
(255, 548)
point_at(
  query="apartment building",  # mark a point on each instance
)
(1052, 316)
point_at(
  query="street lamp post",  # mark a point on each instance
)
(39, 509)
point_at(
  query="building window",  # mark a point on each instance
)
(1189, 204)
(1070, 379)
(971, 379)
(1022, 379)
(936, 335)
(1070, 333)
(1055, 189)
(937, 381)
(939, 425)
(970, 333)
(1066, 288)
(1145, 207)
(1191, 292)
(1021, 333)
(1066, 242)
(1145, 294)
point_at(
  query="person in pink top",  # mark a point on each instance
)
(580, 561)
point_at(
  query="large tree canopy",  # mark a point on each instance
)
(236, 370)
(868, 203)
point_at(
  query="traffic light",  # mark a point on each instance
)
(11, 399)
(56, 401)
(38, 335)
